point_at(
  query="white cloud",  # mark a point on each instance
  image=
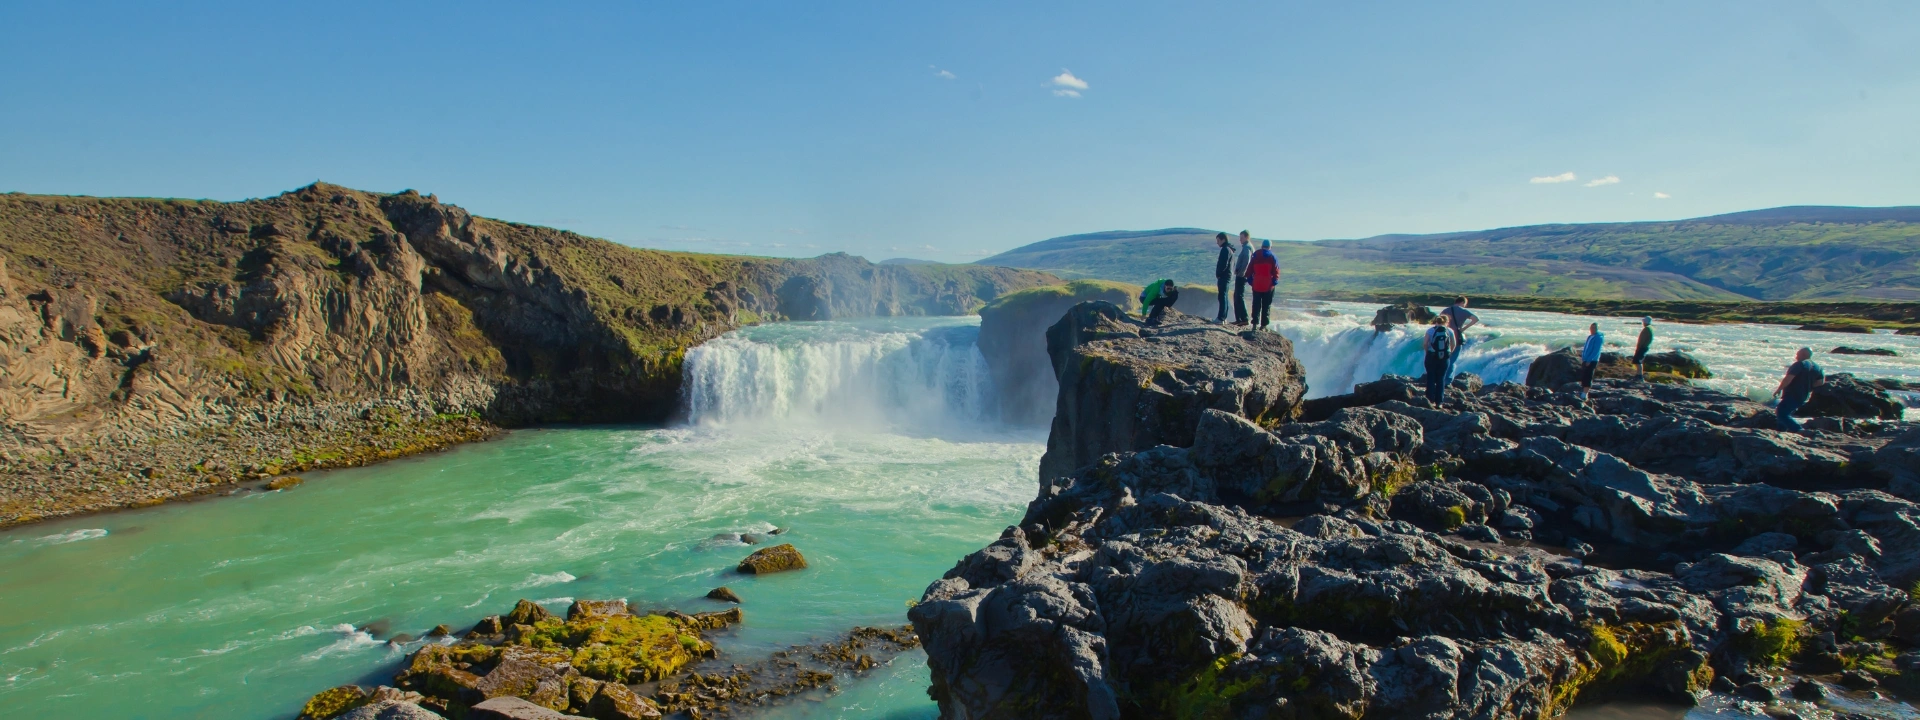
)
(1551, 179)
(810, 246)
(1066, 79)
(1608, 180)
(1661, 196)
(929, 247)
(1066, 93)
(776, 245)
(942, 74)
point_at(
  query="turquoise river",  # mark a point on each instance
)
(873, 442)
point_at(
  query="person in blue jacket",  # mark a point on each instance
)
(1590, 358)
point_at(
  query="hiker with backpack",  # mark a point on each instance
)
(1263, 273)
(1459, 318)
(1441, 344)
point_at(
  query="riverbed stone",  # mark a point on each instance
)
(390, 710)
(723, 594)
(513, 708)
(333, 702)
(779, 558)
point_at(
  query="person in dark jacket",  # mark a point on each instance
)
(1222, 273)
(1156, 297)
(1240, 278)
(1263, 273)
(1796, 388)
(1640, 348)
(1441, 343)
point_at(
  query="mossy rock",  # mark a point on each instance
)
(526, 612)
(284, 482)
(1771, 644)
(333, 701)
(779, 558)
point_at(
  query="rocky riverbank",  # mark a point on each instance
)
(152, 349)
(1507, 555)
(606, 660)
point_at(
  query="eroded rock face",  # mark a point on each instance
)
(1126, 386)
(1355, 565)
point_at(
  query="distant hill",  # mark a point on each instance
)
(1797, 253)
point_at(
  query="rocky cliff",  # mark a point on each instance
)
(1507, 555)
(155, 348)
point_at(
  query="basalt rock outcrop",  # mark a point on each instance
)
(1562, 366)
(1403, 313)
(1125, 385)
(157, 348)
(1359, 564)
(1843, 395)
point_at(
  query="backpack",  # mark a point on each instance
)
(1439, 342)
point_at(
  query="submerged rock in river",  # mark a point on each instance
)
(779, 558)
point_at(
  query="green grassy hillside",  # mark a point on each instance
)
(1797, 253)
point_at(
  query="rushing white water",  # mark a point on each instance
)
(917, 373)
(1745, 359)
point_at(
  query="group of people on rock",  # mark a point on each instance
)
(1249, 269)
(1259, 270)
(1442, 345)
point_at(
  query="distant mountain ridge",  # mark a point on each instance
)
(1784, 253)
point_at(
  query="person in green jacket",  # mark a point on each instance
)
(1156, 297)
(1646, 343)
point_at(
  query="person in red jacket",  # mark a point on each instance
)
(1263, 273)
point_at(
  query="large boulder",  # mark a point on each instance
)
(1403, 313)
(1554, 369)
(1677, 363)
(1126, 386)
(1013, 339)
(779, 558)
(1843, 395)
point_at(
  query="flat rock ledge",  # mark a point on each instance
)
(1507, 555)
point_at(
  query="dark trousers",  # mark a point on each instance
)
(1222, 283)
(1783, 414)
(1586, 374)
(1262, 306)
(1240, 300)
(1436, 379)
(1454, 359)
(1157, 310)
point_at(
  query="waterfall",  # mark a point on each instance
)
(1338, 355)
(913, 372)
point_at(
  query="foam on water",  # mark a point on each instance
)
(1745, 359)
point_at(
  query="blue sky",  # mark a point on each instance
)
(947, 131)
